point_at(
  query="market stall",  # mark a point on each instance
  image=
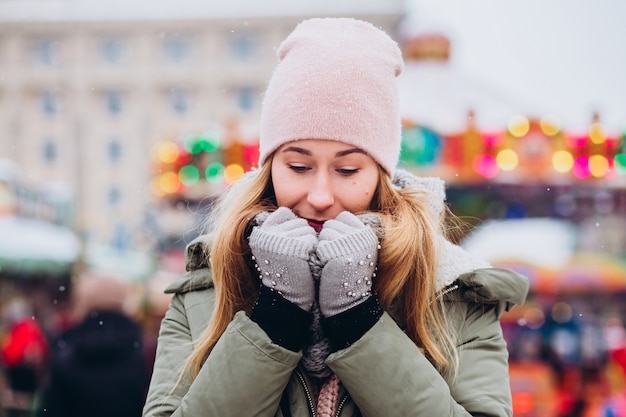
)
(548, 252)
(30, 246)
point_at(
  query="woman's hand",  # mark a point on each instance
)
(348, 249)
(281, 247)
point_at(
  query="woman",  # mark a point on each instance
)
(326, 286)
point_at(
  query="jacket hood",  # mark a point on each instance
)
(491, 286)
(198, 275)
(434, 187)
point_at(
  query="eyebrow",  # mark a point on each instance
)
(308, 153)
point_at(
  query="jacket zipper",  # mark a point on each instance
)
(345, 397)
(308, 393)
(341, 403)
(448, 290)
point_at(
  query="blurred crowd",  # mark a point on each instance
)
(568, 356)
(88, 355)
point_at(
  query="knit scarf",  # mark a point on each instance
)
(315, 354)
(318, 350)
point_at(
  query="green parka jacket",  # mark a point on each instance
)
(382, 374)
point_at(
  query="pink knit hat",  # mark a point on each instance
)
(336, 80)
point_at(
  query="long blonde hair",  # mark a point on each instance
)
(405, 282)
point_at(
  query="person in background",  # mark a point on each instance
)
(97, 366)
(326, 285)
(24, 357)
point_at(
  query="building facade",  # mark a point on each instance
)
(87, 91)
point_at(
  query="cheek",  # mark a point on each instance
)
(280, 192)
(289, 189)
(279, 186)
(358, 198)
(368, 189)
(286, 192)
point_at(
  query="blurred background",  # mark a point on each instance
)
(120, 122)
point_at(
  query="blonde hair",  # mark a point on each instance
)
(405, 282)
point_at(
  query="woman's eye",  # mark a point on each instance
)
(298, 168)
(347, 171)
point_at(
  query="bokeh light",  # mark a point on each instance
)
(620, 163)
(167, 152)
(485, 165)
(215, 172)
(562, 312)
(580, 168)
(598, 165)
(507, 160)
(550, 125)
(232, 173)
(519, 126)
(169, 183)
(596, 133)
(492, 138)
(534, 317)
(189, 175)
(562, 161)
(208, 141)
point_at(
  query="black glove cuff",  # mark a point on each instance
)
(343, 329)
(283, 321)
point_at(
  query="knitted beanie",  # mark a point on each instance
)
(336, 80)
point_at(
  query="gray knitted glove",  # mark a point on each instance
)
(348, 249)
(281, 247)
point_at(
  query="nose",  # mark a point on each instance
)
(320, 196)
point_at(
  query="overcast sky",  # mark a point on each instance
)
(569, 56)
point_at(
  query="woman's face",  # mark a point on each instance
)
(318, 179)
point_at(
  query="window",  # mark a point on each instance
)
(120, 237)
(177, 47)
(243, 46)
(179, 100)
(46, 52)
(245, 99)
(113, 101)
(114, 150)
(49, 102)
(112, 50)
(50, 151)
(114, 196)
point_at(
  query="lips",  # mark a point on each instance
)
(316, 225)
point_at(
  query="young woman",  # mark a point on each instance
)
(326, 286)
